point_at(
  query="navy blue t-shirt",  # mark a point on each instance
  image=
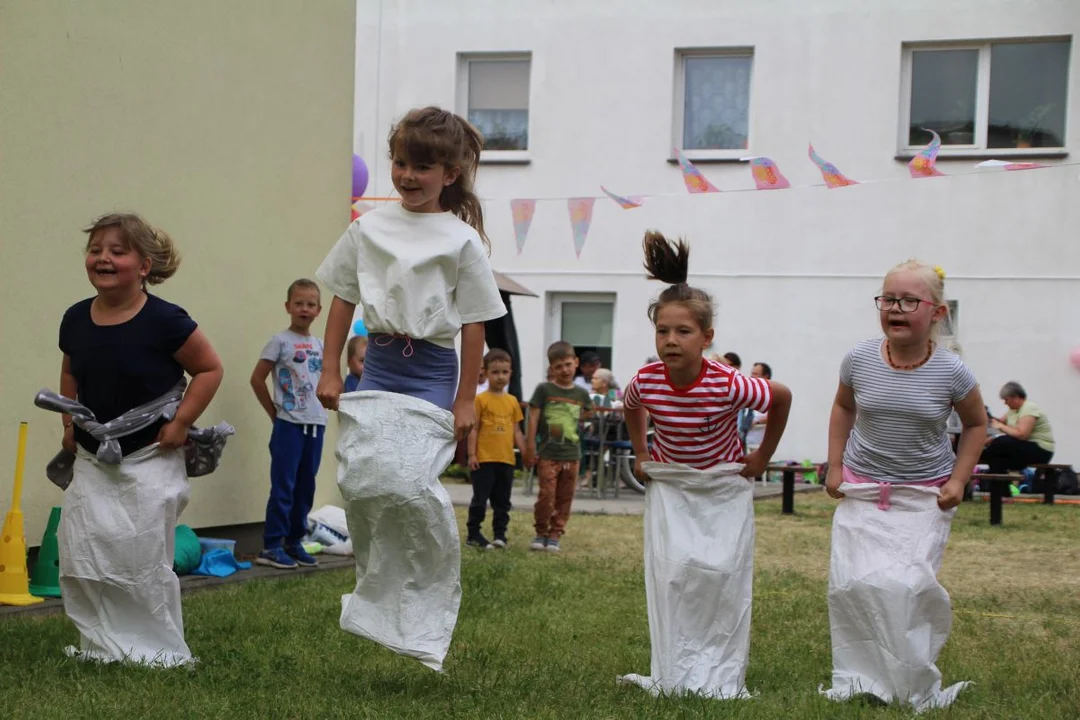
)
(119, 367)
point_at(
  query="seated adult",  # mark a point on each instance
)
(1026, 438)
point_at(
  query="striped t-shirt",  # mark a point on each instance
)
(697, 425)
(900, 415)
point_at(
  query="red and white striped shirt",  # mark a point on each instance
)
(697, 425)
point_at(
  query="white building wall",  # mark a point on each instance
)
(793, 272)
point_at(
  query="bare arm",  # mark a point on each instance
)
(69, 388)
(637, 425)
(530, 441)
(841, 422)
(472, 355)
(757, 461)
(201, 362)
(262, 370)
(337, 329)
(1024, 426)
(973, 417)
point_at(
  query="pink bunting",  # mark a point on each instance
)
(1005, 165)
(580, 219)
(924, 164)
(767, 175)
(626, 203)
(695, 181)
(832, 175)
(522, 212)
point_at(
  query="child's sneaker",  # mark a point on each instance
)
(553, 545)
(538, 543)
(499, 543)
(301, 556)
(480, 542)
(276, 558)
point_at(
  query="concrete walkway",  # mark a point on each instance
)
(628, 502)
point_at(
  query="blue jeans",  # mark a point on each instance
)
(295, 453)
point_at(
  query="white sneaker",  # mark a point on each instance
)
(538, 543)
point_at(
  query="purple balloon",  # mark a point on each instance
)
(359, 176)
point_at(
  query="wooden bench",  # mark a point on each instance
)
(788, 472)
(999, 489)
(1049, 473)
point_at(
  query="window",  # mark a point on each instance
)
(987, 96)
(951, 324)
(493, 93)
(712, 102)
(585, 321)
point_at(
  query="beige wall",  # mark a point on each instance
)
(228, 124)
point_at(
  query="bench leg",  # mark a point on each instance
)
(789, 493)
(997, 491)
(1050, 481)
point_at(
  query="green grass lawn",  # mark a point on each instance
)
(544, 636)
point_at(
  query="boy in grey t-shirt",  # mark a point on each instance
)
(294, 358)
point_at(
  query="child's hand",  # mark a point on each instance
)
(474, 464)
(755, 465)
(329, 389)
(639, 471)
(833, 479)
(529, 457)
(464, 419)
(173, 435)
(69, 438)
(952, 493)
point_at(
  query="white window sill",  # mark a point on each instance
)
(714, 156)
(505, 157)
(989, 153)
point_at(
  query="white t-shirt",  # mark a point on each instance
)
(422, 275)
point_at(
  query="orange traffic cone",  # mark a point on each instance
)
(14, 582)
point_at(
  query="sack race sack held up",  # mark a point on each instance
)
(116, 541)
(699, 576)
(391, 451)
(888, 614)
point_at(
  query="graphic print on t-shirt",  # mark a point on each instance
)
(561, 416)
(297, 391)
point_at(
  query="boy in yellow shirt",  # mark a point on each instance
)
(491, 452)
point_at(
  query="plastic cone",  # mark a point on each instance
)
(45, 578)
(14, 583)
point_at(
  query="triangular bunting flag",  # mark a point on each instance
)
(580, 219)
(833, 177)
(626, 203)
(695, 181)
(1006, 165)
(522, 212)
(767, 175)
(924, 164)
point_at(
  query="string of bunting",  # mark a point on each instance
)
(766, 174)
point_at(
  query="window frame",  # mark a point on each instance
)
(982, 99)
(679, 104)
(555, 301)
(464, 59)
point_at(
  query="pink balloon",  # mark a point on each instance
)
(1075, 357)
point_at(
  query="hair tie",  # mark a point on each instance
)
(940, 272)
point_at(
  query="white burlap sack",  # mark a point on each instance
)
(392, 449)
(116, 538)
(888, 614)
(699, 574)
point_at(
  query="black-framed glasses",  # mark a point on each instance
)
(906, 304)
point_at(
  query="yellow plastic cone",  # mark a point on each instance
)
(14, 581)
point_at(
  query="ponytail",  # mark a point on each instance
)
(669, 262)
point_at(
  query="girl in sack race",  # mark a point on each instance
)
(419, 271)
(124, 348)
(892, 467)
(699, 516)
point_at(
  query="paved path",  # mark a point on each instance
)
(628, 502)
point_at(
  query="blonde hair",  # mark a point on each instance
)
(934, 278)
(151, 243)
(436, 136)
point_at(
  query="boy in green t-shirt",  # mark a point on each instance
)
(555, 411)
